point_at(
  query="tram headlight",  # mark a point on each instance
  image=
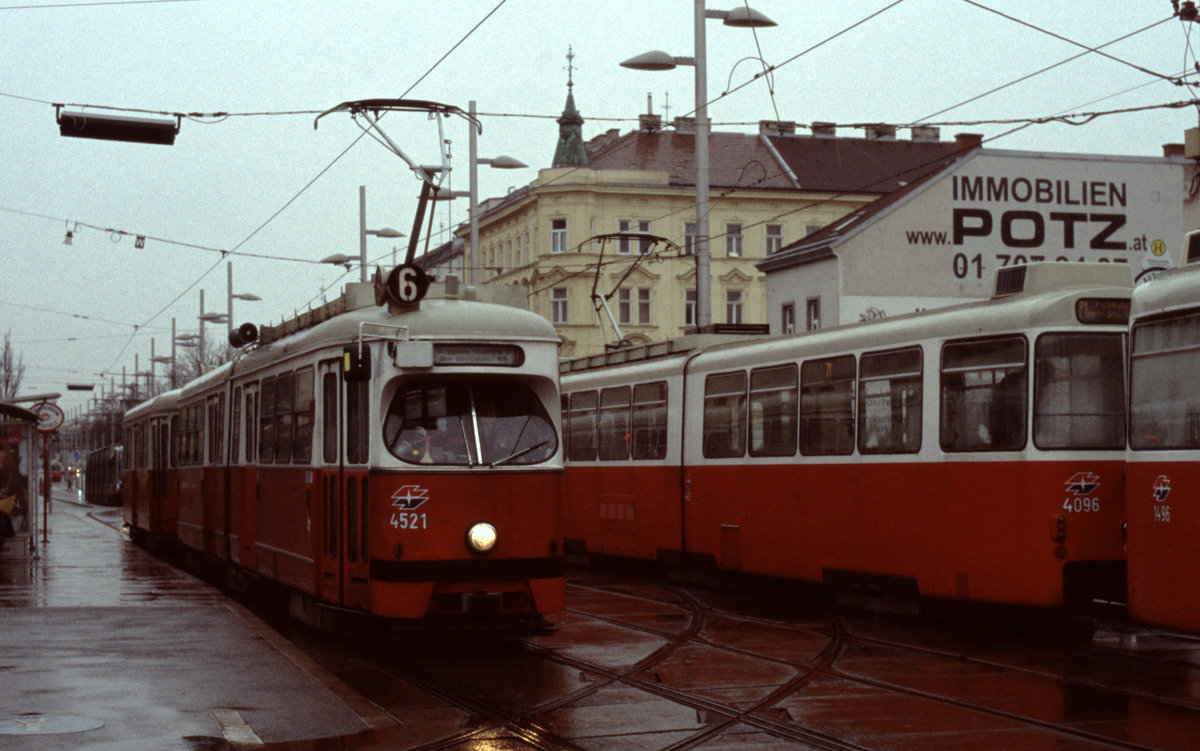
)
(481, 537)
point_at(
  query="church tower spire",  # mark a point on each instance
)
(570, 151)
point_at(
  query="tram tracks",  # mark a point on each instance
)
(826, 663)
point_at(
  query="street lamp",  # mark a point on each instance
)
(209, 318)
(500, 162)
(363, 232)
(743, 17)
(248, 296)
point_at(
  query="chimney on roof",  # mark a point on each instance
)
(824, 130)
(650, 123)
(966, 141)
(926, 133)
(880, 132)
(685, 124)
(780, 127)
(1174, 149)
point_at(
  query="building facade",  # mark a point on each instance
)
(939, 240)
(767, 190)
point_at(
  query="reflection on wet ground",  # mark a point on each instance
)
(85, 563)
(641, 664)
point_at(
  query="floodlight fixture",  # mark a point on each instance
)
(114, 128)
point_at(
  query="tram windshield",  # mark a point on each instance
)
(1079, 392)
(468, 422)
(1164, 402)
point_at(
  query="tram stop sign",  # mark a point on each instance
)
(50, 417)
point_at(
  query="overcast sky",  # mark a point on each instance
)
(265, 185)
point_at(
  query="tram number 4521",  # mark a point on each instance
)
(408, 520)
(1081, 505)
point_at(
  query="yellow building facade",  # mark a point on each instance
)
(767, 190)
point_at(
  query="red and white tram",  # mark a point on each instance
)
(970, 453)
(400, 461)
(1163, 480)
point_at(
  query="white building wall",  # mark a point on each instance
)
(943, 244)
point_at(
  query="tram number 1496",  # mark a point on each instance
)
(1081, 505)
(408, 520)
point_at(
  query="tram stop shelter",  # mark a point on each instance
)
(18, 426)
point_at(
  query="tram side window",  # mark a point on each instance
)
(329, 418)
(827, 406)
(1164, 401)
(189, 437)
(266, 422)
(773, 411)
(215, 410)
(235, 426)
(650, 420)
(614, 424)
(889, 402)
(358, 445)
(725, 415)
(251, 425)
(1079, 392)
(984, 395)
(304, 410)
(581, 426)
(285, 403)
(175, 437)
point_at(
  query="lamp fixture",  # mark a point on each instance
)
(112, 128)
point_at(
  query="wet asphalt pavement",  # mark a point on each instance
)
(105, 646)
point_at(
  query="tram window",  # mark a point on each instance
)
(193, 435)
(329, 418)
(1164, 401)
(889, 402)
(216, 418)
(614, 424)
(773, 405)
(251, 425)
(175, 437)
(827, 406)
(235, 426)
(285, 403)
(984, 395)
(650, 420)
(1078, 392)
(304, 407)
(581, 427)
(358, 445)
(266, 422)
(725, 415)
(468, 422)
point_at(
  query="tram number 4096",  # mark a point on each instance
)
(408, 520)
(1081, 505)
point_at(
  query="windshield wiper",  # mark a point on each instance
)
(519, 454)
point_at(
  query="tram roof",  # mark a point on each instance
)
(433, 319)
(1170, 290)
(162, 401)
(1046, 299)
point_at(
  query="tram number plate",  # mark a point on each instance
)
(408, 520)
(1162, 513)
(1081, 505)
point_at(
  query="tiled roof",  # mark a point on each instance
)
(861, 165)
(734, 158)
(857, 165)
